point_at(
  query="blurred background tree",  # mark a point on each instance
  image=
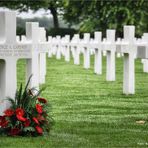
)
(25, 5)
(89, 15)
(54, 6)
(93, 15)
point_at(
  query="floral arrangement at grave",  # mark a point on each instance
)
(28, 114)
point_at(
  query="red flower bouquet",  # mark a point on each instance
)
(27, 115)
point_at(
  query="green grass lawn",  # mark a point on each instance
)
(88, 111)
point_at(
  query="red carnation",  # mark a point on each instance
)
(35, 120)
(20, 111)
(9, 112)
(39, 108)
(3, 121)
(42, 100)
(21, 118)
(27, 123)
(39, 129)
(14, 131)
(19, 114)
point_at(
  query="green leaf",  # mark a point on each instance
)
(19, 95)
(12, 101)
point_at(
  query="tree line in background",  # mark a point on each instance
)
(90, 15)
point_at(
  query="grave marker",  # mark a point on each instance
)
(97, 45)
(42, 56)
(128, 48)
(109, 46)
(32, 67)
(10, 52)
(58, 47)
(50, 43)
(66, 44)
(74, 44)
(86, 51)
(142, 51)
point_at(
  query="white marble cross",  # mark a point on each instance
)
(42, 56)
(109, 46)
(42, 48)
(74, 44)
(37, 64)
(62, 46)
(96, 44)
(86, 52)
(128, 48)
(118, 55)
(32, 66)
(58, 47)
(142, 51)
(50, 43)
(66, 46)
(10, 52)
(53, 46)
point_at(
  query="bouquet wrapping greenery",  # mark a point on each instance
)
(28, 114)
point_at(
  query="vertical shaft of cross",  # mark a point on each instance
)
(50, 50)
(42, 57)
(98, 62)
(129, 74)
(98, 54)
(86, 51)
(129, 61)
(110, 55)
(32, 66)
(58, 50)
(67, 48)
(76, 50)
(110, 67)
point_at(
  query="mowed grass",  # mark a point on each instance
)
(88, 111)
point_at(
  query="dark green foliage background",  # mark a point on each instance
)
(90, 15)
(93, 15)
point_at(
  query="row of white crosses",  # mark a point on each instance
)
(128, 47)
(75, 49)
(33, 48)
(11, 49)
